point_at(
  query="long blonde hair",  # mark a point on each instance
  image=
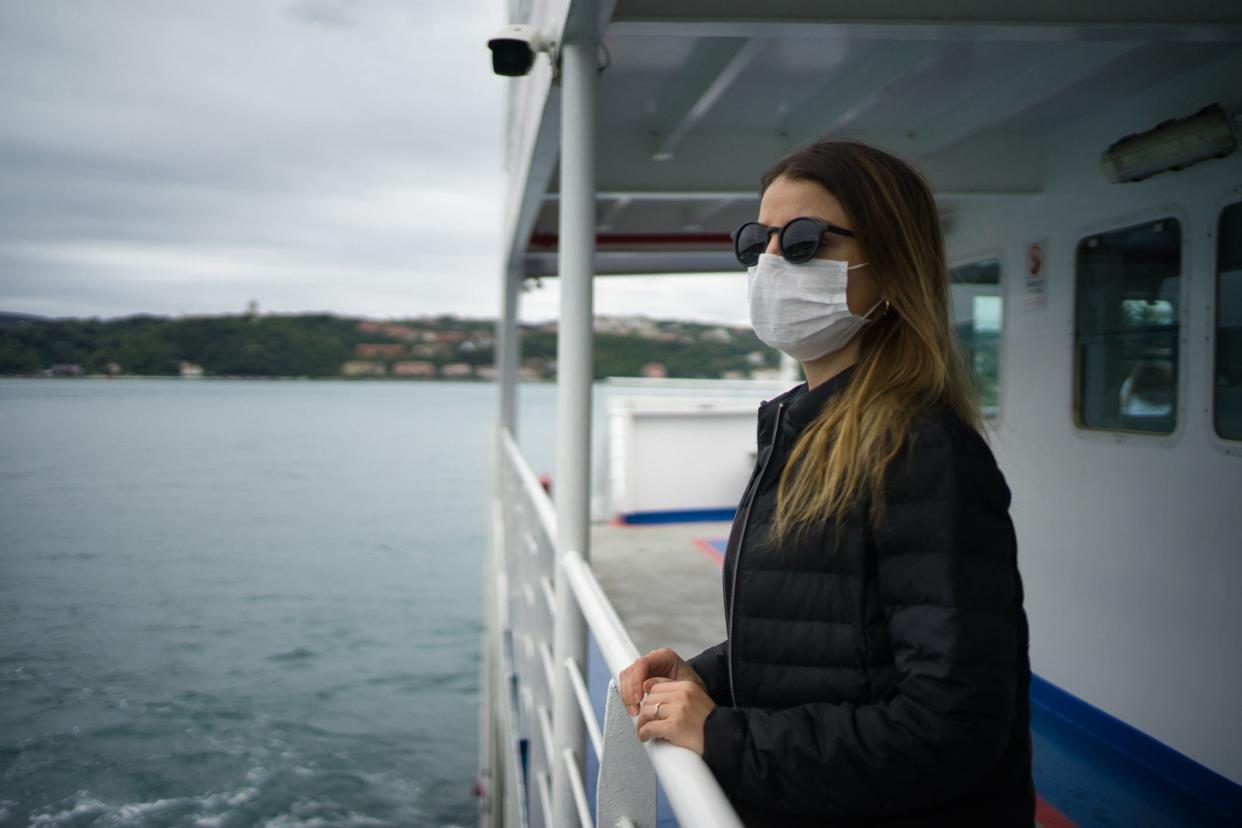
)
(909, 359)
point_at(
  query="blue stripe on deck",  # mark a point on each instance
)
(678, 515)
(1091, 767)
(1097, 770)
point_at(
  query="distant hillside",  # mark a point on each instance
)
(325, 345)
(9, 318)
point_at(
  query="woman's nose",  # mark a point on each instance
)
(774, 244)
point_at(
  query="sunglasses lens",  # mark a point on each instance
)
(800, 241)
(750, 241)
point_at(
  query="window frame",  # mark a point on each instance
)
(996, 254)
(1169, 210)
(1229, 197)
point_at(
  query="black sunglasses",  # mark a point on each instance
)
(799, 239)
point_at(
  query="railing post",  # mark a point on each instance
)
(626, 788)
(574, 365)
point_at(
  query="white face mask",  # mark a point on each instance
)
(800, 308)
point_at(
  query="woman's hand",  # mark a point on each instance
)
(661, 663)
(682, 706)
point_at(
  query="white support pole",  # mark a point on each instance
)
(508, 350)
(571, 488)
(496, 776)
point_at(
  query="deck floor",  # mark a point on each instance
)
(664, 581)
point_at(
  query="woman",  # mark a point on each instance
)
(876, 669)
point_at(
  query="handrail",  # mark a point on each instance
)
(549, 672)
(545, 729)
(545, 791)
(579, 789)
(535, 492)
(584, 703)
(548, 596)
(692, 789)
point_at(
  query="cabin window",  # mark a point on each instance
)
(1229, 323)
(1126, 327)
(975, 294)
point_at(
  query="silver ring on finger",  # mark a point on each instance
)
(657, 710)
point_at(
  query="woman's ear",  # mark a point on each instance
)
(883, 312)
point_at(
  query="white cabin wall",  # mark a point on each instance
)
(651, 446)
(1129, 547)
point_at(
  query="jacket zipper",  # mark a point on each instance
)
(741, 541)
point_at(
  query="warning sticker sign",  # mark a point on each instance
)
(1035, 276)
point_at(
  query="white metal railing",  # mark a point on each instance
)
(626, 788)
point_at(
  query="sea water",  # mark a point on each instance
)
(235, 603)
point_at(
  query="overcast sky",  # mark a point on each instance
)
(188, 157)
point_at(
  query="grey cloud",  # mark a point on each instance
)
(63, 196)
(323, 12)
(313, 155)
(339, 151)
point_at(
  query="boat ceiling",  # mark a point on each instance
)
(697, 99)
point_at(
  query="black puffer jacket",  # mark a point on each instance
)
(884, 682)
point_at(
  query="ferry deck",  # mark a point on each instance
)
(1082, 778)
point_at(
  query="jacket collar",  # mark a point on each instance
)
(802, 405)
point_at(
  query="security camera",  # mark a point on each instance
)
(513, 49)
